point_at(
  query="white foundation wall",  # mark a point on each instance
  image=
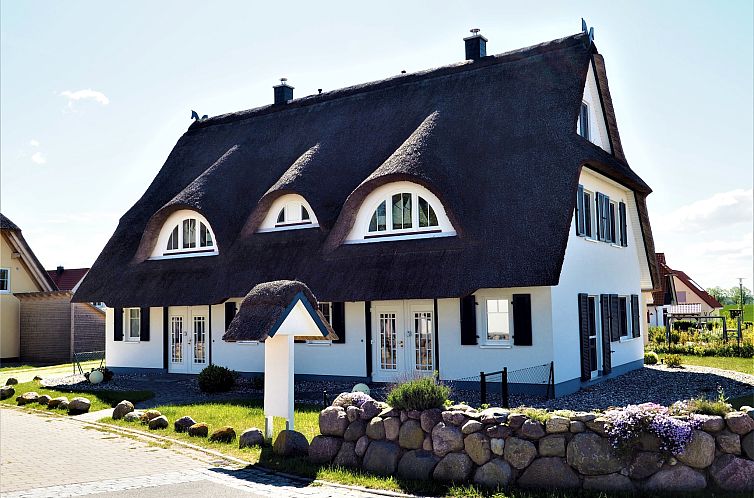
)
(596, 268)
(457, 361)
(142, 354)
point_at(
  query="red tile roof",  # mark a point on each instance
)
(67, 279)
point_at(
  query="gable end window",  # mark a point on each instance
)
(4, 280)
(583, 124)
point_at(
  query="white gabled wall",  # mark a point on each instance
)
(143, 354)
(597, 125)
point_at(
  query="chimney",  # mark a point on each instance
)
(476, 46)
(60, 270)
(283, 92)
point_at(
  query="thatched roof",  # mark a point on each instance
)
(495, 140)
(265, 307)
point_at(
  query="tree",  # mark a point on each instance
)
(720, 294)
(735, 295)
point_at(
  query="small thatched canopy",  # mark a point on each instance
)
(267, 305)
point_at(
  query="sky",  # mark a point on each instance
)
(94, 95)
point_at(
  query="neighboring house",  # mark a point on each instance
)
(678, 294)
(39, 323)
(431, 214)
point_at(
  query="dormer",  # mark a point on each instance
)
(185, 233)
(591, 122)
(289, 212)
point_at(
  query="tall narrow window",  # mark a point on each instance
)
(173, 240)
(584, 120)
(4, 280)
(498, 326)
(588, 225)
(326, 309)
(133, 324)
(613, 222)
(205, 237)
(377, 224)
(189, 233)
(401, 211)
(623, 315)
(427, 216)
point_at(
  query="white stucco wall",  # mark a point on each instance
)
(143, 354)
(597, 125)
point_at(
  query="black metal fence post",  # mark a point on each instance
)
(482, 388)
(325, 401)
(504, 387)
(551, 380)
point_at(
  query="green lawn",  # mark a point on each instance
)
(25, 373)
(100, 400)
(745, 365)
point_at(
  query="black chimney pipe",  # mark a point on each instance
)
(283, 92)
(476, 46)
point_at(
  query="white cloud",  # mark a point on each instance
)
(38, 158)
(720, 210)
(87, 94)
(34, 143)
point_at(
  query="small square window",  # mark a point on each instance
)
(4, 280)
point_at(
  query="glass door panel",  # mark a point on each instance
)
(423, 341)
(176, 344)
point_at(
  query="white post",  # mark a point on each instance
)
(268, 428)
(278, 380)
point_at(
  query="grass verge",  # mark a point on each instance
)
(744, 365)
(100, 399)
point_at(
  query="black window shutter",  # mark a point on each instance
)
(230, 312)
(339, 322)
(623, 234)
(165, 337)
(118, 324)
(580, 220)
(635, 325)
(614, 317)
(586, 369)
(600, 216)
(468, 320)
(607, 365)
(144, 325)
(522, 335)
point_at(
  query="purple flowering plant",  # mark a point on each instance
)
(626, 425)
(356, 398)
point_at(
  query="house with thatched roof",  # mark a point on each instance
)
(461, 219)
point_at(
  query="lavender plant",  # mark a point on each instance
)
(627, 424)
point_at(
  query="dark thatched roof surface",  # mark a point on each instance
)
(494, 139)
(263, 308)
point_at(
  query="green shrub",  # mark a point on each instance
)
(419, 394)
(215, 379)
(651, 358)
(673, 361)
(538, 414)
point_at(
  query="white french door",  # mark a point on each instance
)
(188, 328)
(403, 335)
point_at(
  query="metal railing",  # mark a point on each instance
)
(536, 375)
(87, 356)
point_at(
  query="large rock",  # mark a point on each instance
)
(700, 451)
(382, 457)
(291, 443)
(44, 399)
(616, 483)
(747, 445)
(79, 405)
(557, 424)
(552, 446)
(519, 452)
(494, 474)
(644, 464)
(133, 416)
(472, 426)
(346, 456)
(7, 392)
(493, 415)
(149, 415)
(361, 445)
(430, 418)
(376, 429)
(455, 417)
(731, 473)
(454, 467)
(516, 420)
(353, 413)
(355, 430)
(198, 430)
(713, 423)
(583, 417)
(411, 435)
(728, 442)
(599, 425)
(160, 422)
(575, 427)
(370, 409)
(678, 478)
(549, 472)
(417, 465)
(532, 429)
(446, 438)
(224, 434)
(122, 408)
(739, 422)
(499, 431)
(591, 454)
(183, 423)
(26, 398)
(333, 421)
(477, 446)
(323, 449)
(252, 437)
(392, 427)
(56, 402)
(497, 445)
(12, 381)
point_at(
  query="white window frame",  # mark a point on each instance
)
(291, 206)
(7, 281)
(323, 305)
(176, 220)
(128, 319)
(507, 343)
(629, 319)
(614, 221)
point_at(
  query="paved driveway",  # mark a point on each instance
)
(53, 456)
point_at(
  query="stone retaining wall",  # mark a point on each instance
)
(500, 448)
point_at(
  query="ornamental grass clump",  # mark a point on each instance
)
(626, 426)
(419, 394)
(651, 358)
(673, 361)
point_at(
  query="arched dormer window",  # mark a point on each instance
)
(400, 210)
(289, 212)
(185, 233)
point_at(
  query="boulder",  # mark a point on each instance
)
(497, 446)
(370, 409)
(644, 464)
(333, 421)
(446, 438)
(160, 422)
(549, 472)
(291, 443)
(739, 422)
(56, 402)
(344, 400)
(516, 420)
(699, 452)
(353, 413)
(122, 408)
(472, 426)
(392, 428)
(498, 431)
(557, 424)
(7, 392)
(461, 407)
(575, 427)
(224, 434)
(552, 446)
(79, 405)
(598, 425)
(382, 457)
(494, 474)
(455, 417)
(389, 412)
(346, 456)
(417, 465)
(454, 467)
(430, 418)
(591, 454)
(376, 429)
(26, 398)
(198, 430)
(583, 417)
(477, 446)
(728, 442)
(361, 446)
(519, 452)
(731, 473)
(493, 416)
(133, 416)
(44, 399)
(414, 414)
(355, 430)
(252, 437)
(678, 478)
(183, 423)
(149, 415)
(747, 445)
(411, 435)
(64, 404)
(713, 423)
(12, 381)
(532, 429)
(615, 483)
